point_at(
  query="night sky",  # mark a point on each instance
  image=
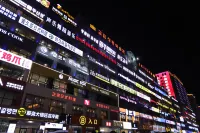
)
(163, 34)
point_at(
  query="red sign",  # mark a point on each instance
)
(102, 106)
(62, 96)
(87, 102)
(96, 50)
(15, 59)
(108, 124)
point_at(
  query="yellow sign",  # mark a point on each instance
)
(82, 120)
(21, 112)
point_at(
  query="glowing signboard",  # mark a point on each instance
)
(99, 76)
(29, 8)
(49, 35)
(96, 50)
(45, 3)
(15, 59)
(6, 12)
(5, 32)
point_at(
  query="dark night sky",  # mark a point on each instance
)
(164, 34)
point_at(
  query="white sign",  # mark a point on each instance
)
(60, 27)
(77, 82)
(8, 13)
(99, 76)
(128, 71)
(150, 86)
(127, 125)
(15, 59)
(29, 8)
(122, 59)
(41, 115)
(11, 128)
(8, 111)
(141, 72)
(11, 35)
(100, 64)
(82, 69)
(49, 35)
(100, 43)
(1, 83)
(53, 125)
(14, 86)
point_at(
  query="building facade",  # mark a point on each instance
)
(59, 73)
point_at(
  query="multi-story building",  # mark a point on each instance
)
(57, 72)
(193, 102)
(177, 91)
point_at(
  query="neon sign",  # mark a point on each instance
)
(49, 35)
(96, 50)
(77, 82)
(100, 43)
(29, 9)
(99, 76)
(107, 38)
(63, 96)
(141, 72)
(82, 69)
(60, 27)
(100, 64)
(8, 13)
(122, 59)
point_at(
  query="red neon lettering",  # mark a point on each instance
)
(58, 95)
(62, 96)
(16, 60)
(6, 56)
(53, 94)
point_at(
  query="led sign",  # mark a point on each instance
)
(100, 90)
(15, 59)
(45, 3)
(161, 92)
(11, 83)
(100, 64)
(63, 96)
(103, 106)
(100, 43)
(96, 50)
(50, 36)
(155, 109)
(6, 12)
(78, 66)
(107, 38)
(141, 72)
(63, 15)
(99, 76)
(22, 112)
(147, 71)
(127, 99)
(29, 8)
(11, 35)
(122, 59)
(127, 78)
(150, 86)
(60, 27)
(77, 82)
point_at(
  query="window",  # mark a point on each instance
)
(34, 102)
(57, 106)
(79, 92)
(59, 86)
(38, 80)
(104, 114)
(7, 98)
(91, 112)
(77, 110)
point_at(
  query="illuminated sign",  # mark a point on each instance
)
(128, 71)
(107, 38)
(29, 8)
(146, 116)
(128, 100)
(108, 124)
(123, 87)
(6, 12)
(63, 96)
(150, 86)
(127, 78)
(155, 109)
(11, 35)
(103, 106)
(100, 90)
(170, 122)
(122, 59)
(100, 64)
(15, 59)
(141, 72)
(143, 96)
(99, 76)
(161, 92)
(22, 112)
(77, 82)
(100, 43)
(64, 15)
(83, 120)
(80, 68)
(60, 27)
(142, 66)
(96, 50)
(12, 83)
(87, 102)
(50, 36)
(45, 3)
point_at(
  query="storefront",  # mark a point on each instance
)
(84, 124)
(23, 120)
(108, 126)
